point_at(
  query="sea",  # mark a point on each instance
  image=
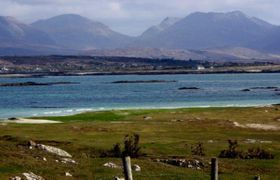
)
(98, 93)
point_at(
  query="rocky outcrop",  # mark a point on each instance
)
(33, 84)
(188, 88)
(194, 164)
(142, 81)
(111, 165)
(245, 90)
(53, 150)
(50, 149)
(32, 176)
(15, 178)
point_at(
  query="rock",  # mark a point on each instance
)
(194, 164)
(136, 168)
(31, 143)
(32, 176)
(15, 178)
(68, 174)
(12, 118)
(142, 81)
(44, 159)
(111, 165)
(190, 166)
(251, 141)
(147, 118)
(68, 160)
(177, 120)
(34, 84)
(118, 178)
(53, 150)
(188, 88)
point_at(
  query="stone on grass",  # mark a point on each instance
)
(32, 176)
(111, 165)
(68, 174)
(15, 178)
(68, 160)
(136, 168)
(118, 178)
(53, 150)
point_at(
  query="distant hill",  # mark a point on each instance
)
(77, 32)
(14, 32)
(210, 30)
(155, 30)
(219, 54)
(206, 36)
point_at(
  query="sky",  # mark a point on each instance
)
(132, 17)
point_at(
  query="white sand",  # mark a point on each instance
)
(32, 121)
(257, 126)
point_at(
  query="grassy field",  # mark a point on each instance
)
(166, 134)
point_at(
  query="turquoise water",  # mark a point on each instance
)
(98, 93)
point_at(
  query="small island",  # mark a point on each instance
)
(142, 81)
(20, 84)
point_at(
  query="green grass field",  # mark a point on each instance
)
(168, 133)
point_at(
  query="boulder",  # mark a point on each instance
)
(136, 168)
(188, 88)
(68, 160)
(53, 150)
(32, 176)
(146, 118)
(31, 143)
(118, 178)
(194, 164)
(111, 165)
(15, 178)
(68, 174)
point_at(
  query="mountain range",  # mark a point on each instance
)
(232, 35)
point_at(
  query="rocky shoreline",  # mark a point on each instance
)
(20, 84)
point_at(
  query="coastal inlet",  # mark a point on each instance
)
(61, 95)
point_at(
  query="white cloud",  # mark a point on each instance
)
(134, 16)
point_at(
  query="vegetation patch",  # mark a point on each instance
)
(251, 153)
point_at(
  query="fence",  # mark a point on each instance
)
(214, 169)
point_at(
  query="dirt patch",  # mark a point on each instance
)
(257, 126)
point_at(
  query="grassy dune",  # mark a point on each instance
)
(169, 133)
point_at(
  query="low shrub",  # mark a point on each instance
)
(251, 153)
(257, 153)
(231, 152)
(130, 148)
(198, 149)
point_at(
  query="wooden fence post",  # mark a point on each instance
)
(257, 178)
(214, 169)
(127, 168)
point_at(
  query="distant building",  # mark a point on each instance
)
(200, 67)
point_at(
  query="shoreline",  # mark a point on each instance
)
(88, 110)
(180, 72)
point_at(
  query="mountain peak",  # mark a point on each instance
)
(218, 14)
(77, 32)
(166, 23)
